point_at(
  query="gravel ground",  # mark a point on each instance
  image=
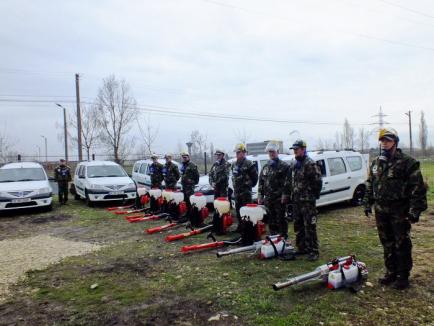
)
(21, 255)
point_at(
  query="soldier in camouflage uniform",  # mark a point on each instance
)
(156, 172)
(244, 178)
(396, 189)
(270, 190)
(219, 175)
(189, 177)
(62, 175)
(170, 173)
(303, 188)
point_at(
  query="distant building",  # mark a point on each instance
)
(259, 148)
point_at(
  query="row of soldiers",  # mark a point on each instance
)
(395, 188)
(279, 184)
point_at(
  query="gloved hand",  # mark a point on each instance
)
(368, 211)
(413, 216)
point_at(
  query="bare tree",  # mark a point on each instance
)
(90, 128)
(6, 147)
(363, 139)
(117, 110)
(423, 133)
(347, 135)
(148, 134)
(242, 136)
(199, 141)
(337, 143)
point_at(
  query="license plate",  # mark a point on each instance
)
(21, 200)
(116, 193)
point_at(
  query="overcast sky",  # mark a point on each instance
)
(311, 63)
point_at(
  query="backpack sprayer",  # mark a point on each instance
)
(222, 220)
(155, 208)
(252, 228)
(338, 273)
(272, 246)
(197, 213)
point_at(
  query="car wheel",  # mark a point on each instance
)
(89, 203)
(358, 195)
(77, 197)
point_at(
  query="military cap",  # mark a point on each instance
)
(298, 144)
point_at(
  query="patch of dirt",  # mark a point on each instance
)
(120, 266)
(47, 219)
(21, 255)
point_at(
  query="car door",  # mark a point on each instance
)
(143, 177)
(80, 183)
(338, 181)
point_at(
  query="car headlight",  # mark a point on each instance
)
(44, 190)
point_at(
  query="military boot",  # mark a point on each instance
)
(313, 256)
(387, 279)
(401, 282)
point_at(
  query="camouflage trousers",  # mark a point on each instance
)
(188, 191)
(63, 192)
(276, 220)
(220, 191)
(305, 218)
(394, 233)
(240, 201)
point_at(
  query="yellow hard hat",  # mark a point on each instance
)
(240, 148)
(272, 147)
(388, 133)
(184, 153)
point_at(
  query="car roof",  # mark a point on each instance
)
(98, 163)
(149, 161)
(18, 165)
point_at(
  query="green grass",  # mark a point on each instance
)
(143, 279)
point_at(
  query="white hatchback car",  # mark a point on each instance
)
(23, 185)
(98, 181)
(344, 175)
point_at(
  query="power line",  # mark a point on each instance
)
(417, 12)
(223, 4)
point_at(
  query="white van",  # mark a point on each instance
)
(344, 174)
(24, 185)
(98, 181)
(141, 175)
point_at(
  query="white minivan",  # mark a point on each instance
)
(23, 185)
(98, 181)
(344, 174)
(141, 174)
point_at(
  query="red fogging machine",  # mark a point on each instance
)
(252, 229)
(222, 220)
(340, 272)
(195, 216)
(158, 208)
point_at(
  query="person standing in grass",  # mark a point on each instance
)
(396, 189)
(62, 175)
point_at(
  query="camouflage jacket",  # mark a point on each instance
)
(156, 172)
(304, 181)
(171, 175)
(189, 175)
(62, 173)
(272, 180)
(397, 181)
(244, 176)
(219, 174)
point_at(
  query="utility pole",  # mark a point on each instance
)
(380, 116)
(409, 127)
(77, 94)
(65, 127)
(46, 149)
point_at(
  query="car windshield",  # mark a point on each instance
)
(22, 174)
(103, 171)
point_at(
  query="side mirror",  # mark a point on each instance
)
(51, 179)
(81, 176)
(130, 175)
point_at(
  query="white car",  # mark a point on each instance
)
(24, 185)
(99, 181)
(344, 175)
(141, 176)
